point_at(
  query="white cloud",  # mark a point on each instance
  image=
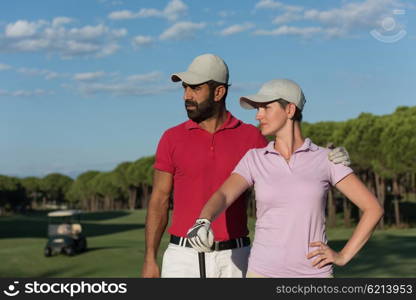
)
(122, 15)
(88, 76)
(290, 12)
(337, 22)
(57, 37)
(181, 31)
(148, 13)
(30, 45)
(113, 3)
(47, 74)
(287, 17)
(90, 32)
(108, 50)
(220, 23)
(119, 32)
(270, 4)
(4, 67)
(173, 11)
(122, 89)
(289, 30)
(149, 77)
(141, 40)
(356, 15)
(52, 75)
(225, 14)
(25, 93)
(237, 28)
(133, 85)
(59, 21)
(22, 28)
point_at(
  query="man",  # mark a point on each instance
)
(193, 159)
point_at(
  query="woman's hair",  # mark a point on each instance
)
(298, 113)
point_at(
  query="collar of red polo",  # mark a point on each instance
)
(307, 145)
(230, 122)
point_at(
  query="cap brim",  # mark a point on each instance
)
(248, 102)
(189, 78)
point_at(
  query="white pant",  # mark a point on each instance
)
(183, 262)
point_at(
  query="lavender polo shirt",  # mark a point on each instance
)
(290, 200)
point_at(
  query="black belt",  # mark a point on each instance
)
(218, 246)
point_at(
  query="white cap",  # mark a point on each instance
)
(204, 68)
(274, 90)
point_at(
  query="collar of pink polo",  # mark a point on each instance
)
(307, 145)
(229, 123)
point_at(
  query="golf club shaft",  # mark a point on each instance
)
(201, 258)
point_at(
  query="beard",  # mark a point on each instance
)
(201, 111)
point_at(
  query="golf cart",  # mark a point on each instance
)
(65, 233)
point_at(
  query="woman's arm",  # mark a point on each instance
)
(201, 236)
(231, 189)
(353, 188)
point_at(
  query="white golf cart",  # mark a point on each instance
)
(65, 233)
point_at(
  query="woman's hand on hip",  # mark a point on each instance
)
(324, 255)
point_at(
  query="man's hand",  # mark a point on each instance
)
(200, 236)
(339, 155)
(150, 269)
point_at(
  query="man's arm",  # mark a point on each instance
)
(156, 221)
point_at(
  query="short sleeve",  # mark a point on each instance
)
(243, 167)
(337, 172)
(163, 159)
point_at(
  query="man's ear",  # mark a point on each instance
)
(219, 93)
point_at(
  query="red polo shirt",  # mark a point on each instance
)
(200, 162)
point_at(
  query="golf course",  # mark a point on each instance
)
(116, 247)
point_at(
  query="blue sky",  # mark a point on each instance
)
(85, 84)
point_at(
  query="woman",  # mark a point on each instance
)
(291, 178)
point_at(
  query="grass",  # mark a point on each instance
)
(116, 248)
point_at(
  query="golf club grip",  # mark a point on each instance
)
(201, 258)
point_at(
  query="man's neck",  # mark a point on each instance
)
(215, 122)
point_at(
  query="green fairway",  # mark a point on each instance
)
(116, 247)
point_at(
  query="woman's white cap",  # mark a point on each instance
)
(274, 90)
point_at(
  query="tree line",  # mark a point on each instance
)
(382, 150)
(128, 186)
(383, 155)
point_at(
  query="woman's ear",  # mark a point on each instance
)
(290, 110)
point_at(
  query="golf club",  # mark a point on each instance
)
(201, 258)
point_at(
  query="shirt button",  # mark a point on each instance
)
(212, 148)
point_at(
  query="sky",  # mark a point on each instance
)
(85, 84)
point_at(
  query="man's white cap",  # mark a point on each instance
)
(274, 90)
(204, 68)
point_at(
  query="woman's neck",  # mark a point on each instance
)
(289, 139)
